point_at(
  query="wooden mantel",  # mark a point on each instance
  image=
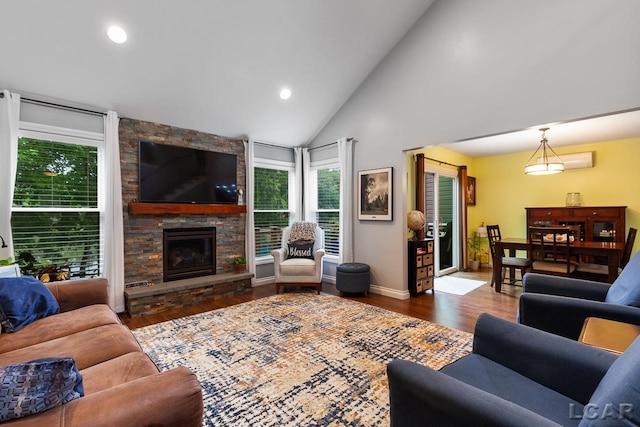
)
(138, 208)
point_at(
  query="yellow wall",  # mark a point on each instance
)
(503, 190)
(441, 153)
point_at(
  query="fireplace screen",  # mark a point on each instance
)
(189, 252)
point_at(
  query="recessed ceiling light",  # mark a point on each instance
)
(117, 34)
(285, 93)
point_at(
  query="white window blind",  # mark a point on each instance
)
(272, 190)
(56, 214)
(56, 175)
(327, 187)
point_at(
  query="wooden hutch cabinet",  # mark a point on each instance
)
(420, 266)
(597, 224)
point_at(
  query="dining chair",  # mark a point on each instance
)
(600, 272)
(550, 252)
(512, 263)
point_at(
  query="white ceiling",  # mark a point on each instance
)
(611, 127)
(215, 66)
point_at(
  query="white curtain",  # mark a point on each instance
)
(306, 171)
(113, 230)
(9, 123)
(299, 183)
(250, 242)
(345, 156)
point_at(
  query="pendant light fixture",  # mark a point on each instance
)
(544, 165)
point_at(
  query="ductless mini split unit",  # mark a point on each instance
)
(575, 160)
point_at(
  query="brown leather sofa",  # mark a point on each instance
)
(122, 386)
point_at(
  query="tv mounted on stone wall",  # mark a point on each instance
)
(173, 174)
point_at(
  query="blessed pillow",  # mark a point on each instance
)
(24, 300)
(38, 385)
(300, 249)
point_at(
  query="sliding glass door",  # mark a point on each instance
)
(441, 211)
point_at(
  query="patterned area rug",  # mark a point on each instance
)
(298, 359)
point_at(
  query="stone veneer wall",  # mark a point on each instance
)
(143, 233)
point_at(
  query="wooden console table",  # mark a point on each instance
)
(608, 334)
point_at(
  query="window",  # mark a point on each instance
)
(325, 182)
(56, 213)
(273, 190)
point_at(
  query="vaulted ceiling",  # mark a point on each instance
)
(212, 65)
(218, 66)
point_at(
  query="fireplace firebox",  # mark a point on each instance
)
(188, 252)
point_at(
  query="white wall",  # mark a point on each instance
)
(475, 67)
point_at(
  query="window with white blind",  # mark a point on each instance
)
(273, 203)
(56, 212)
(325, 183)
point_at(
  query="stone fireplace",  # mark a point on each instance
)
(188, 252)
(145, 255)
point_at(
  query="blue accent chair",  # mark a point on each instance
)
(560, 305)
(519, 376)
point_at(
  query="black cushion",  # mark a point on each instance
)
(300, 249)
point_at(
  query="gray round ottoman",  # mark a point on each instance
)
(353, 277)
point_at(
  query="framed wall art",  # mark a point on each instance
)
(471, 191)
(375, 194)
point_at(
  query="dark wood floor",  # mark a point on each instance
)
(455, 311)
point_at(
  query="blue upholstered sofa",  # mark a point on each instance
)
(519, 376)
(561, 304)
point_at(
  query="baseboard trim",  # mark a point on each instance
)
(374, 289)
(264, 281)
(387, 292)
(329, 279)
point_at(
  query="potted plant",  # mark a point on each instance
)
(240, 264)
(45, 273)
(53, 273)
(27, 263)
(474, 252)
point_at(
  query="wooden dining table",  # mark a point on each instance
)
(610, 250)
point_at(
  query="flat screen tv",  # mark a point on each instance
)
(172, 174)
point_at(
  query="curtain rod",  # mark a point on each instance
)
(291, 148)
(63, 107)
(441, 162)
(282, 147)
(331, 143)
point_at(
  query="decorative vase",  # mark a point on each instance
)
(573, 200)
